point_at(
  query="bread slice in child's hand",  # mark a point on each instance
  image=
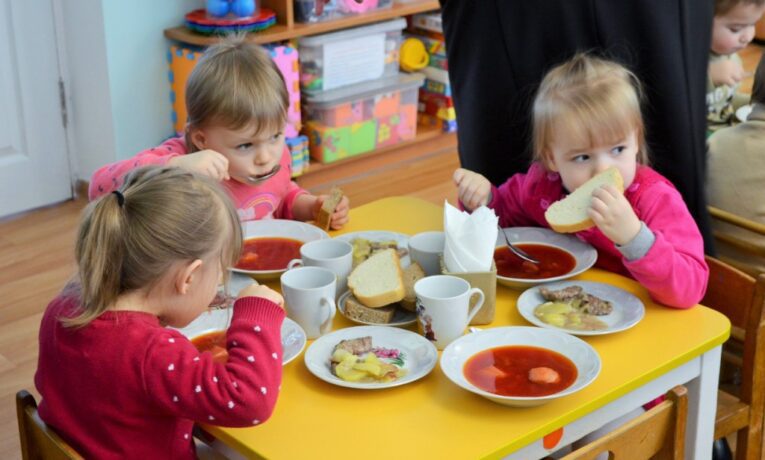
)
(569, 215)
(378, 281)
(324, 216)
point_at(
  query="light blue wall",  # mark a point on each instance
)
(137, 67)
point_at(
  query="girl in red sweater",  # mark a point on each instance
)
(115, 382)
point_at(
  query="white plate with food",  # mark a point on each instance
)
(270, 244)
(593, 309)
(389, 315)
(561, 256)
(405, 357)
(520, 366)
(365, 243)
(218, 320)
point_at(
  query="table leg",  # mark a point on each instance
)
(702, 407)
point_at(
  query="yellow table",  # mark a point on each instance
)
(433, 418)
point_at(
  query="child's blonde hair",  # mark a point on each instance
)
(593, 98)
(723, 6)
(235, 84)
(130, 238)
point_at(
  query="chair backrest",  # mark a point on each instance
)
(755, 251)
(658, 433)
(741, 298)
(38, 441)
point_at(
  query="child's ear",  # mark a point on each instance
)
(197, 137)
(187, 275)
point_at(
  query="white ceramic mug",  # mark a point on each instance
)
(443, 302)
(309, 298)
(426, 249)
(335, 255)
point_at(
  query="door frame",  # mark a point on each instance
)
(63, 73)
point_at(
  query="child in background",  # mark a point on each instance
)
(732, 31)
(115, 383)
(737, 173)
(237, 108)
(586, 118)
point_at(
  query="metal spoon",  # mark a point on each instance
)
(515, 250)
(258, 179)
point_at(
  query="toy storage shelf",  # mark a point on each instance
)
(430, 143)
(286, 28)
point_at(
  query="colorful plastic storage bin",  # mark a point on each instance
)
(350, 56)
(353, 120)
(323, 10)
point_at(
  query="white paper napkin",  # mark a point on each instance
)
(470, 239)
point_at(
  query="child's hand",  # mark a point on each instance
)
(265, 292)
(207, 162)
(726, 72)
(613, 215)
(339, 216)
(473, 189)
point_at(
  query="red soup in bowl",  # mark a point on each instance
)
(215, 343)
(514, 370)
(259, 254)
(552, 262)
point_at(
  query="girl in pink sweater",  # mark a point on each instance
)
(115, 382)
(237, 108)
(586, 118)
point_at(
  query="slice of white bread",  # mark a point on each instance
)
(412, 274)
(378, 280)
(569, 215)
(356, 311)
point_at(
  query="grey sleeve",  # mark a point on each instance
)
(640, 245)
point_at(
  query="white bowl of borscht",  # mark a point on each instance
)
(560, 256)
(520, 366)
(270, 244)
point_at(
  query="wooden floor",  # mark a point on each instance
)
(36, 259)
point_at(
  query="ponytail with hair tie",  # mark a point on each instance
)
(175, 215)
(120, 197)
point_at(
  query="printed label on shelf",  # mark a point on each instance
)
(353, 61)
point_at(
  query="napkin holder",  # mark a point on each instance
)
(486, 282)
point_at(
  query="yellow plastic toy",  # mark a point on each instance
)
(414, 56)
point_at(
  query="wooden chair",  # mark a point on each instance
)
(735, 242)
(38, 441)
(658, 433)
(741, 298)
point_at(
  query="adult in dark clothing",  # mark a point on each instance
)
(499, 50)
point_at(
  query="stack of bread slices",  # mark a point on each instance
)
(379, 287)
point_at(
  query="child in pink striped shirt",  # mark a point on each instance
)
(237, 108)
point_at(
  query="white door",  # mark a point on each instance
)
(34, 167)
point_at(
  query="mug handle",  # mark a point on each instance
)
(329, 305)
(478, 304)
(294, 263)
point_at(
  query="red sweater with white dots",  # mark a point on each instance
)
(125, 387)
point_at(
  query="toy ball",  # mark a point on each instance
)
(243, 8)
(239, 8)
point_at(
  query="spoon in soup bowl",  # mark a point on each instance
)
(520, 253)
